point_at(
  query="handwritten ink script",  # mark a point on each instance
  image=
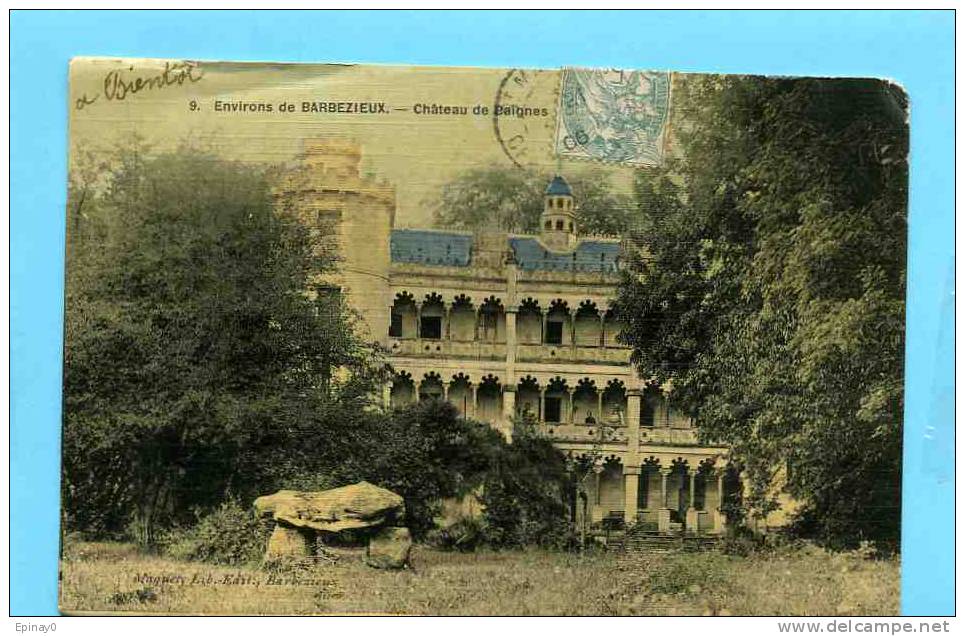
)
(119, 84)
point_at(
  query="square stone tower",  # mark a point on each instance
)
(327, 191)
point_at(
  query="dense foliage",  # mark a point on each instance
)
(511, 199)
(228, 535)
(425, 452)
(769, 288)
(526, 493)
(204, 364)
(190, 337)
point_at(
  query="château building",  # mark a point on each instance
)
(503, 324)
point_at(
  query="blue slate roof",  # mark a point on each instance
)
(589, 256)
(559, 186)
(430, 248)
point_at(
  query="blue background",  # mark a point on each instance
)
(914, 48)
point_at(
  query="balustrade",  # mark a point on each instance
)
(480, 349)
(673, 436)
(430, 348)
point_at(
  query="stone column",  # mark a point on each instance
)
(631, 485)
(632, 417)
(509, 410)
(475, 400)
(633, 420)
(599, 406)
(418, 390)
(692, 516)
(633, 411)
(569, 415)
(602, 329)
(663, 512)
(448, 317)
(543, 317)
(542, 403)
(511, 312)
(445, 391)
(719, 521)
(418, 321)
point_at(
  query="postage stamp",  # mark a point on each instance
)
(613, 115)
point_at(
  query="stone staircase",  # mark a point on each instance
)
(636, 539)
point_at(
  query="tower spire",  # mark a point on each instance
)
(558, 220)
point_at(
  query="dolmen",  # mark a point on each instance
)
(301, 516)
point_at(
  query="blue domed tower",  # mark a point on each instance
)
(558, 221)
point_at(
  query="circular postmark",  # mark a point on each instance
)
(524, 119)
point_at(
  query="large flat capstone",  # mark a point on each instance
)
(361, 505)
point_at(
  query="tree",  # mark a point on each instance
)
(525, 491)
(191, 338)
(768, 288)
(425, 451)
(205, 365)
(511, 199)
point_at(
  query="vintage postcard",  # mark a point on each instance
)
(348, 339)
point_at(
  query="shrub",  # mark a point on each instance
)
(464, 535)
(230, 535)
(524, 494)
(425, 452)
(740, 545)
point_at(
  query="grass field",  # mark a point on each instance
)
(114, 577)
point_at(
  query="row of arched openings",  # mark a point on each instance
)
(466, 320)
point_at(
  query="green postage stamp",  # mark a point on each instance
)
(613, 115)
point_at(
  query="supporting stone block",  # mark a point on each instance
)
(693, 518)
(287, 544)
(389, 549)
(720, 522)
(631, 479)
(663, 520)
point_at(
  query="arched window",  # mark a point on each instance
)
(549, 225)
(559, 225)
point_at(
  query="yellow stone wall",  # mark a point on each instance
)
(327, 190)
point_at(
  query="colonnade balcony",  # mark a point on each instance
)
(538, 328)
(563, 408)
(667, 494)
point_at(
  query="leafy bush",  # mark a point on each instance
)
(230, 535)
(425, 452)
(465, 535)
(140, 596)
(524, 494)
(740, 545)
